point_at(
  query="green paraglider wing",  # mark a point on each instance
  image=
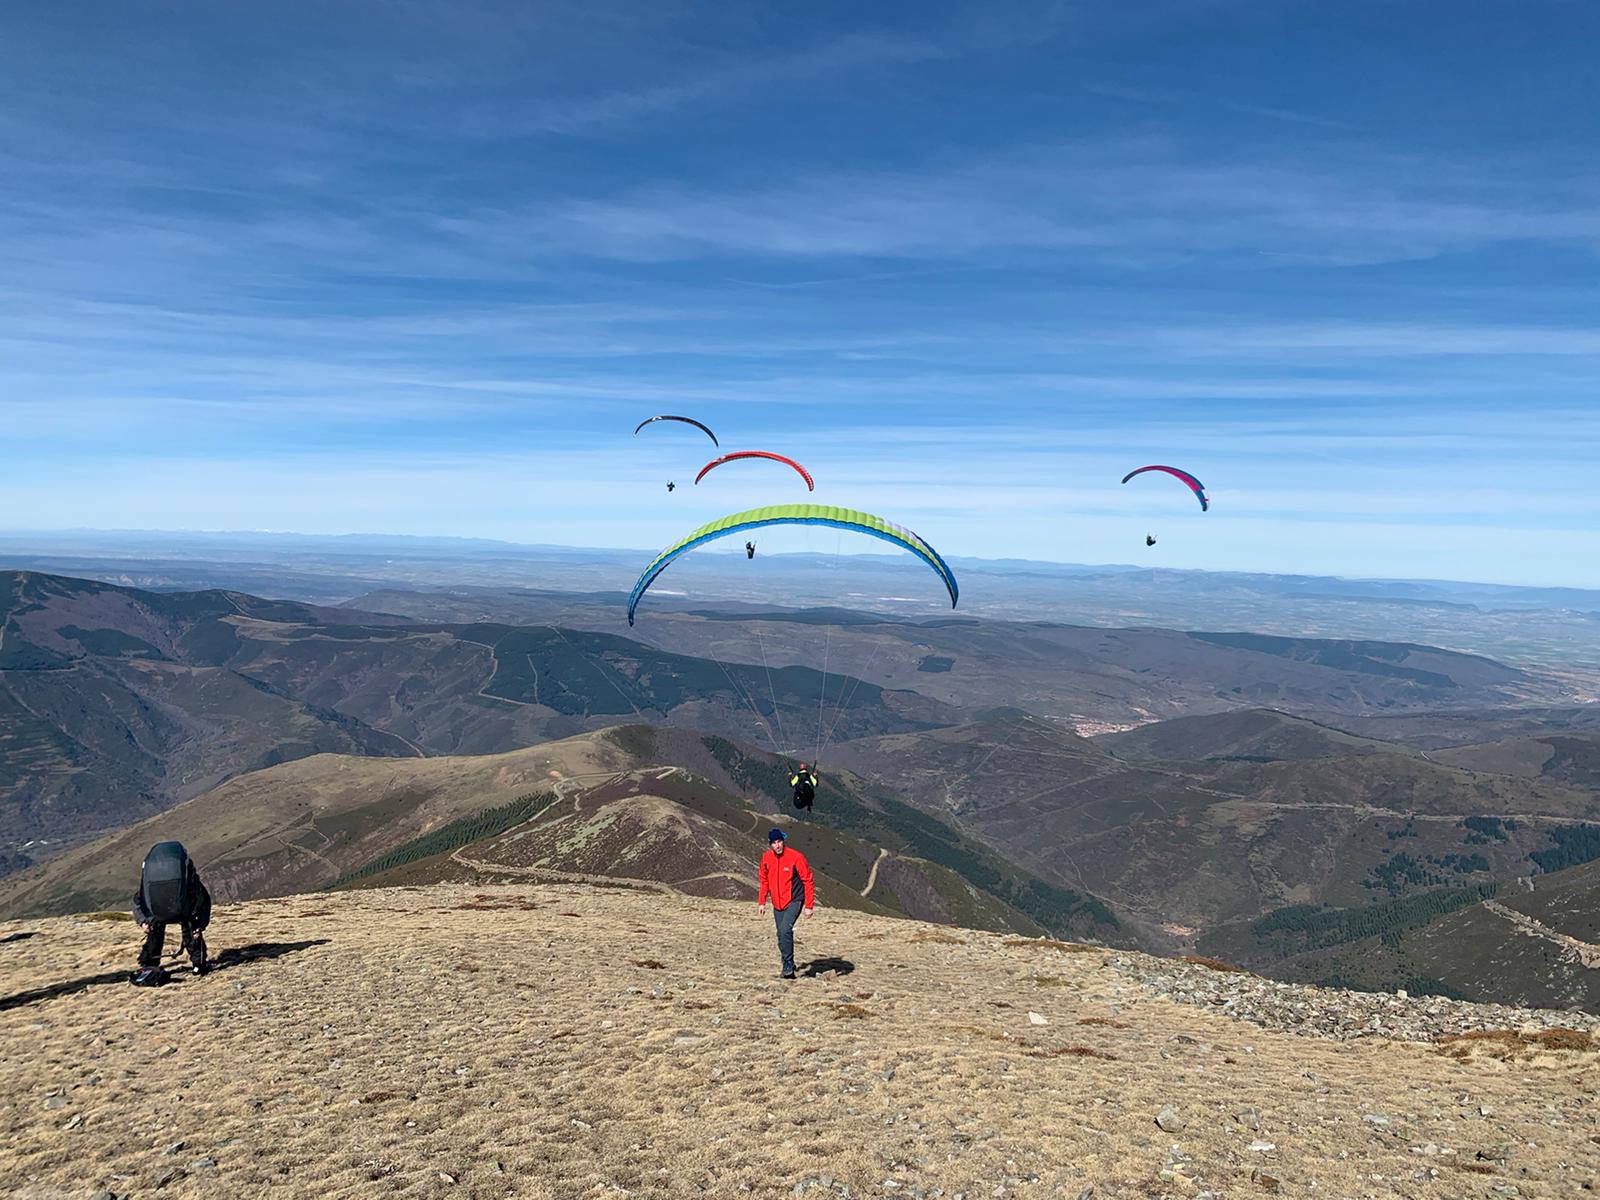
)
(794, 514)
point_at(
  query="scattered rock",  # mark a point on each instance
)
(1267, 1183)
(1263, 1147)
(1249, 1118)
(1037, 1019)
(1332, 1013)
(1170, 1119)
(201, 1164)
(175, 1147)
(173, 1173)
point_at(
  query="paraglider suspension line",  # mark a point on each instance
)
(777, 713)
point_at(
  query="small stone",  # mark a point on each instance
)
(1249, 1118)
(1087, 1193)
(200, 1164)
(1375, 1119)
(581, 1124)
(1268, 1183)
(175, 1147)
(1170, 1119)
(1263, 1147)
(174, 1173)
(887, 1075)
(56, 1102)
(1037, 1019)
(74, 1123)
(104, 1194)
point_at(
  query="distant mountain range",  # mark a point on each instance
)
(1558, 627)
(1313, 808)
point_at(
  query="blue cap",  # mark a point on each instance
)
(774, 835)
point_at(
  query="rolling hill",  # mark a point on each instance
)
(610, 807)
(1184, 847)
(117, 703)
(1246, 734)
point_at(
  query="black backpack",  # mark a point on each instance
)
(804, 791)
(165, 882)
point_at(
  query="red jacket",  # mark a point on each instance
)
(777, 875)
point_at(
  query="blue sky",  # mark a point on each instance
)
(419, 268)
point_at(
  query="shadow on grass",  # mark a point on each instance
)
(237, 956)
(826, 966)
(18, 937)
(234, 957)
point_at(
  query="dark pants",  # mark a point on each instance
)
(786, 917)
(155, 943)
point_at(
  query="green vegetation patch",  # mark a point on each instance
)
(458, 833)
(111, 643)
(1302, 927)
(1574, 845)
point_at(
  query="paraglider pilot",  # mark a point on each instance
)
(777, 876)
(1149, 539)
(671, 486)
(169, 892)
(804, 784)
(749, 549)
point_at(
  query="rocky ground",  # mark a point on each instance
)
(571, 1041)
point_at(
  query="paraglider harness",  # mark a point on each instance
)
(805, 787)
(749, 549)
(170, 892)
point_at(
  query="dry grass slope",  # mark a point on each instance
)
(567, 1041)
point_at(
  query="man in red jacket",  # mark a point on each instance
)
(780, 868)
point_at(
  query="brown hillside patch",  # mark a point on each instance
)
(1213, 964)
(650, 964)
(1105, 1021)
(1052, 944)
(108, 916)
(1069, 1052)
(925, 936)
(846, 1011)
(1513, 1043)
(316, 912)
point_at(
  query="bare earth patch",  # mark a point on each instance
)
(471, 1042)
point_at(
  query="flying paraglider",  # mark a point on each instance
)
(1189, 480)
(685, 420)
(794, 514)
(749, 549)
(1149, 539)
(717, 462)
(671, 486)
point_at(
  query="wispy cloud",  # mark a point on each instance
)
(1187, 101)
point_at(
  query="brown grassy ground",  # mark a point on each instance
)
(564, 1041)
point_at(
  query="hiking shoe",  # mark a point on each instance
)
(787, 975)
(200, 969)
